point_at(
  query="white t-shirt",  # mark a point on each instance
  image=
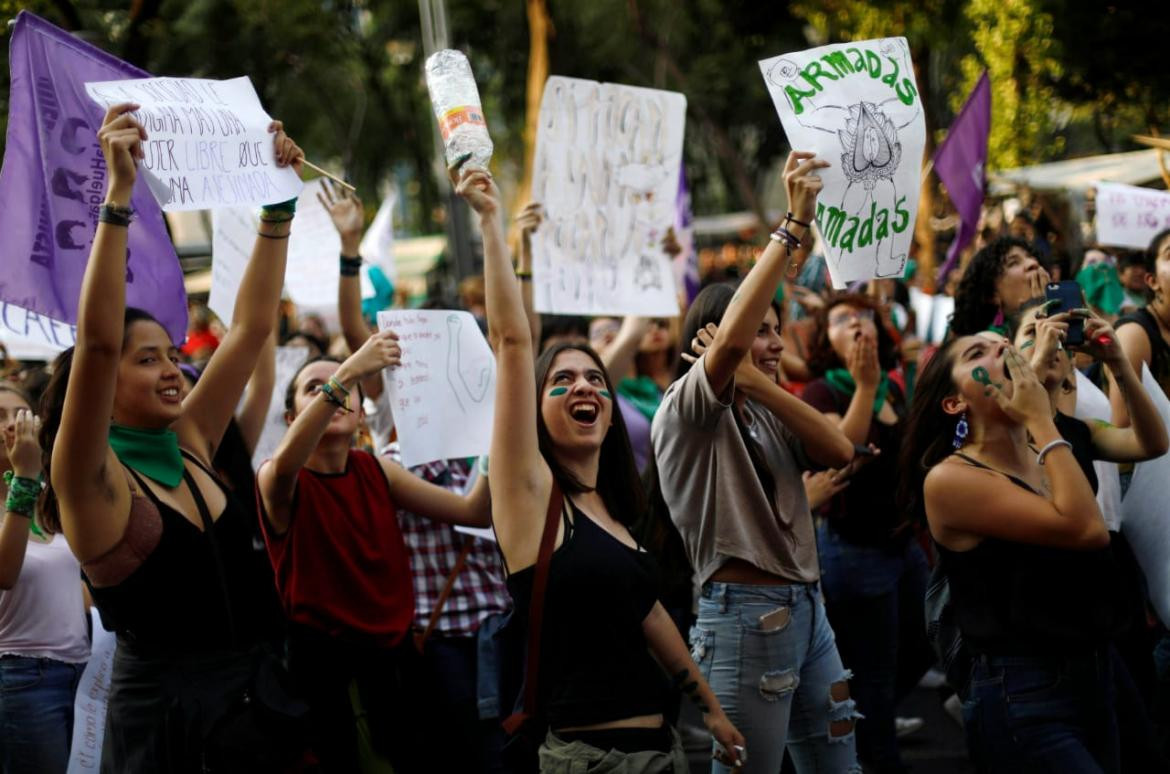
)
(43, 615)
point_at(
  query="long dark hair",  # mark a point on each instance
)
(930, 431)
(822, 356)
(975, 308)
(52, 406)
(617, 472)
(1151, 254)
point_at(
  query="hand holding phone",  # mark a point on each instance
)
(1066, 296)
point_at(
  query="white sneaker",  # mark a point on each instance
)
(906, 726)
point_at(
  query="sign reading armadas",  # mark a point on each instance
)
(607, 170)
(207, 142)
(856, 106)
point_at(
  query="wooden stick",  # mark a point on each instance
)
(1153, 142)
(332, 177)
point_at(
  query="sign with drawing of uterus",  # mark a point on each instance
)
(856, 105)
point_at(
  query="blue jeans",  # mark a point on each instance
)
(777, 679)
(875, 602)
(1032, 714)
(36, 714)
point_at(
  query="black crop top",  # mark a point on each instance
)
(172, 603)
(1019, 599)
(595, 663)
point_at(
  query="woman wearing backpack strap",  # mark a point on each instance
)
(600, 687)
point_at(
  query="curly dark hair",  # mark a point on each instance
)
(975, 308)
(822, 356)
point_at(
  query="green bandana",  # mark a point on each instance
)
(842, 381)
(643, 392)
(153, 453)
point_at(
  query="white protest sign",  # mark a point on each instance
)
(1145, 512)
(856, 106)
(606, 170)
(1092, 404)
(377, 246)
(28, 335)
(233, 231)
(311, 276)
(443, 393)
(1129, 216)
(288, 360)
(207, 142)
(91, 700)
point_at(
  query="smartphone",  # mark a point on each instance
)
(775, 620)
(1069, 296)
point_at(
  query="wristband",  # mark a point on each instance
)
(22, 495)
(332, 397)
(1049, 447)
(115, 215)
(338, 386)
(523, 275)
(289, 208)
(790, 218)
(350, 267)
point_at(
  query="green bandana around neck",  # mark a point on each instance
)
(643, 392)
(842, 381)
(153, 453)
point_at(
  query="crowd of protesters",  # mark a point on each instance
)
(741, 508)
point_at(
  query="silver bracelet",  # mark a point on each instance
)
(1050, 446)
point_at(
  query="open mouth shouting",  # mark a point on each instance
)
(585, 412)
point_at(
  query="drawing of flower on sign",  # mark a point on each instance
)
(856, 106)
(606, 172)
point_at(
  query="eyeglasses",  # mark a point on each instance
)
(844, 318)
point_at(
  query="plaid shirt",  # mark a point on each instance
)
(479, 589)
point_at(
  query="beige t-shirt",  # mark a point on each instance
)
(714, 495)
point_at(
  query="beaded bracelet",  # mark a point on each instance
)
(338, 386)
(332, 397)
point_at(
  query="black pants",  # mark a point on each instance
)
(323, 668)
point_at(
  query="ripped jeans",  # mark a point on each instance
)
(779, 679)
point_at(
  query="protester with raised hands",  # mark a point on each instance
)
(1024, 549)
(452, 631)
(43, 639)
(340, 561)
(873, 571)
(165, 548)
(730, 445)
(996, 283)
(556, 435)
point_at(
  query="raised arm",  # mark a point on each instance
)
(751, 300)
(210, 406)
(24, 453)
(1146, 437)
(258, 397)
(434, 502)
(277, 479)
(619, 356)
(1138, 350)
(529, 220)
(866, 372)
(348, 216)
(521, 478)
(94, 497)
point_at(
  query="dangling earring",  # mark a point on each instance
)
(961, 431)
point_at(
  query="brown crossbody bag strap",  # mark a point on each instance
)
(420, 638)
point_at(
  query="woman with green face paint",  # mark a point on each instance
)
(559, 448)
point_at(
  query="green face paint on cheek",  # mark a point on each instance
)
(605, 394)
(980, 375)
(556, 392)
(1026, 344)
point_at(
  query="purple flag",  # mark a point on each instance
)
(960, 162)
(686, 263)
(54, 181)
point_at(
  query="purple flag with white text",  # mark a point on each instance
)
(54, 180)
(686, 263)
(960, 162)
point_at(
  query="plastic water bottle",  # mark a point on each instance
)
(455, 99)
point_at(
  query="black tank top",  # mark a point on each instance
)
(174, 603)
(1019, 599)
(596, 666)
(1159, 349)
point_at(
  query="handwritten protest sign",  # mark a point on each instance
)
(207, 142)
(1145, 512)
(311, 276)
(31, 336)
(91, 700)
(856, 106)
(288, 360)
(607, 172)
(1129, 216)
(443, 393)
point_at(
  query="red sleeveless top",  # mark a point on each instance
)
(342, 566)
